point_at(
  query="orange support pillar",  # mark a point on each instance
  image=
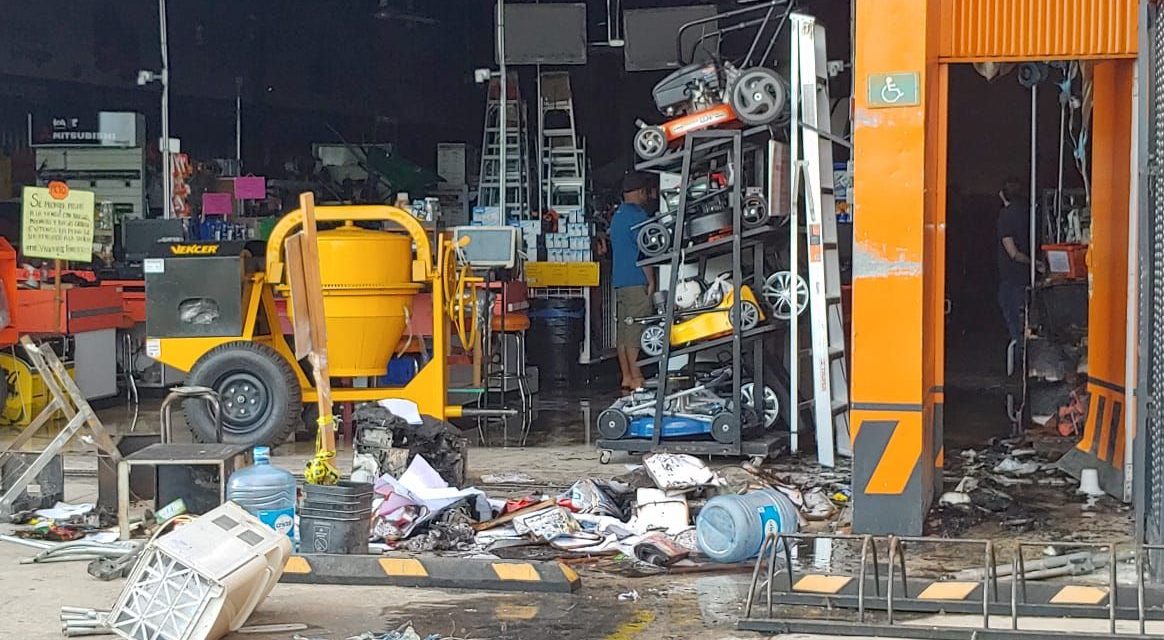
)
(1102, 445)
(897, 285)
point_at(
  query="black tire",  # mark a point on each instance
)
(612, 424)
(759, 96)
(750, 319)
(261, 400)
(654, 239)
(653, 340)
(755, 211)
(724, 428)
(650, 142)
(777, 379)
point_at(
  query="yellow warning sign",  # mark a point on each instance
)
(57, 223)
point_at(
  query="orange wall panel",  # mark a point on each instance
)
(888, 212)
(1038, 29)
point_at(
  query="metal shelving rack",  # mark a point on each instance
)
(702, 149)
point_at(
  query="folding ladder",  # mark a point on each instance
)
(563, 160)
(517, 170)
(812, 181)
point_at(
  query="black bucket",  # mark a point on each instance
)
(554, 341)
(342, 532)
(344, 497)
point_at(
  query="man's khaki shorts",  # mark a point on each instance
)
(632, 302)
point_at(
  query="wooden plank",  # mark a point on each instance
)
(301, 320)
(313, 290)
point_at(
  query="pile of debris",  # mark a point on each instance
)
(998, 483)
(647, 516)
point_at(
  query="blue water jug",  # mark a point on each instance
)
(731, 528)
(267, 492)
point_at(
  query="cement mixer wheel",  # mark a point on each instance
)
(261, 400)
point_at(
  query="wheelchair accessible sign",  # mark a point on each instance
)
(894, 90)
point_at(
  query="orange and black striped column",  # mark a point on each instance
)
(898, 249)
(1105, 430)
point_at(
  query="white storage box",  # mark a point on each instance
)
(203, 580)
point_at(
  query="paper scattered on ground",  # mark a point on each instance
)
(966, 485)
(422, 489)
(671, 471)
(65, 511)
(1011, 466)
(954, 498)
(656, 510)
(404, 409)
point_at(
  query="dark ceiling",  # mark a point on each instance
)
(307, 66)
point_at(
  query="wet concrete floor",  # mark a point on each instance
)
(558, 451)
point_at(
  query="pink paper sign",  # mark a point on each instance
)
(217, 204)
(250, 188)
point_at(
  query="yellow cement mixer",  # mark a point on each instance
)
(212, 312)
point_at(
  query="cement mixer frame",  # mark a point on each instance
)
(257, 369)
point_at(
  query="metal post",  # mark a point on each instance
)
(238, 122)
(545, 165)
(794, 243)
(1034, 180)
(502, 130)
(167, 158)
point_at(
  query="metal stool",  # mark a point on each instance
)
(174, 463)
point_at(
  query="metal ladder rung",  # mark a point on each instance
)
(836, 406)
(834, 352)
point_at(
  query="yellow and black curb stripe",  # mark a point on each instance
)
(449, 573)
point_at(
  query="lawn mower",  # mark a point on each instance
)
(708, 212)
(696, 411)
(712, 318)
(719, 92)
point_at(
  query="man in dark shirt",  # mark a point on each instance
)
(1014, 263)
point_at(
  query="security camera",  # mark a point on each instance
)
(481, 76)
(145, 77)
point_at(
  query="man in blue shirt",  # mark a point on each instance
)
(633, 285)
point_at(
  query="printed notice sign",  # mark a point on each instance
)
(57, 223)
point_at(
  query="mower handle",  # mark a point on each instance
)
(751, 6)
(288, 224)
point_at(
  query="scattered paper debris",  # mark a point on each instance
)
(966, 485)
(675, 471)
(657, 510)
(1013, 467)
(65, 511)
(417, 497)
(547, 524)
(954, 498)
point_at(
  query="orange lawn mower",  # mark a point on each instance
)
(718, 93)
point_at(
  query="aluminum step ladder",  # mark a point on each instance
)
(66, 400)
(515, 151)
(561, 152)
(812, 183)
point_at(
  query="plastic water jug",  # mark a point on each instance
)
(266, 492)
(732, 528)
